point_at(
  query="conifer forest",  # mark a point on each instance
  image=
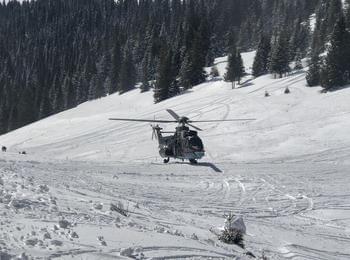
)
(56, 54)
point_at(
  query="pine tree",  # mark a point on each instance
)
(3, 118)
(90, 72)
(92, 88)
(261, 60)
(196, 47)
(45, 108)
(235, 68)
(318, 36)
(240, 68)
(115, 70)
(185, 73)
(327, 14)
(334, 12)
(231, 68)
(146, 71)
(298, 64)
(280, 56)
(347, 13)
(127, 76)
(336, 68)
(164, 78)
(13, 118)
(58, 104)
(69, 93)
(104, 72)
(313, 75)
(174, 89)
(300, 39)
(197, 75)
(26, 107)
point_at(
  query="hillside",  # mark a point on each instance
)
(55, 55)
(287, 126)
(285, 173)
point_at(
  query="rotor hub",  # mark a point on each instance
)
(183, 120)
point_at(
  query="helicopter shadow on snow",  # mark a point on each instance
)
(199, 164)
(202, 164)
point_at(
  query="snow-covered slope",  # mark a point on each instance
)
(286, 173)
(302, 123)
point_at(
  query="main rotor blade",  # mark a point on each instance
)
(226, 120)
(173, 114)
(195, 127)
(142, 120)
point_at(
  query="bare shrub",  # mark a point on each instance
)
(120, 208)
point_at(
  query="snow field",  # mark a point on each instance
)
(286, 174)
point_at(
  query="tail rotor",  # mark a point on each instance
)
(154, 134)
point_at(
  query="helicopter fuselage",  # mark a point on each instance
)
(184, 144)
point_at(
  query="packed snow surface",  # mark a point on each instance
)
(90, 188)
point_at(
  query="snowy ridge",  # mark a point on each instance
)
(286, 174)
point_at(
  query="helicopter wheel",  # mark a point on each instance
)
(166, 160)
(193, 161)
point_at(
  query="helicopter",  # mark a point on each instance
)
(183, 143)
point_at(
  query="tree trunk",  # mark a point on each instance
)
(233, 84)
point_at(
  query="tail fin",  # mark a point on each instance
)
(156, 132)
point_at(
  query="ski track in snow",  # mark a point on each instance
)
(286, 174)
(173, 206)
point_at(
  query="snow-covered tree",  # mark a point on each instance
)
(127, 74)
(336, 70)
(280, 56)
(313, 74)
(298, 63)
(164, 79)
(235, 69)
(261, 60)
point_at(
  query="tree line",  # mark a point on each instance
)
(330, 56)
(56, 54)
(327, 46)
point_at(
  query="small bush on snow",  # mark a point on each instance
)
(232, 237)
(120, 208)
(63, 223)
(234, 231)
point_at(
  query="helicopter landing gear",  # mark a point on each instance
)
(166, 160)
(193, 161)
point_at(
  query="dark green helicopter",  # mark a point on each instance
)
(183, 144)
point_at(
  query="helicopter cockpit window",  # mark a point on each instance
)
(190, 133)
(195, 143)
